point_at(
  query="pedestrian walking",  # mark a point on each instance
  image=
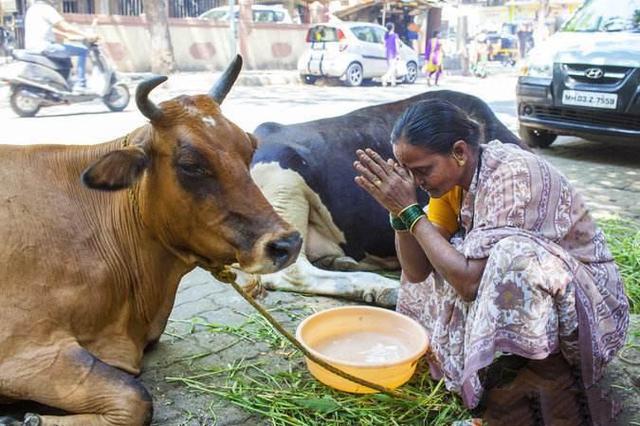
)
(433, 56)
(391, 43)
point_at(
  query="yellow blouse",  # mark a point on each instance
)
(444, 211)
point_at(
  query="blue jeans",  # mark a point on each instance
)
(57, 50)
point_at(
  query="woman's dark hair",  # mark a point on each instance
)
(390, 27)
(435, 34)
(436, 125)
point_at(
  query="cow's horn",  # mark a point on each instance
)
(225, 82)
(146, 107)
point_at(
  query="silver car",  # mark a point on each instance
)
(352, 51)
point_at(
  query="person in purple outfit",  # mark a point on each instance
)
(433, 55)
(391, 42)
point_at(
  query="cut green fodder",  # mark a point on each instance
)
(282, 391)
(293, 397)
(623, 239)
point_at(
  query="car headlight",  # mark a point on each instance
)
(538, 64)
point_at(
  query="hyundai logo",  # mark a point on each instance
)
(594, 73)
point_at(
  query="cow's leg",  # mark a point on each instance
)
(292, 198)
(73, 380)
(303, 277)
(369, 263)
(10, 421)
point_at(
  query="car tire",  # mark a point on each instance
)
(536, 138)
(23, 102)
(354, 75)
(412, 73)
(308, 79)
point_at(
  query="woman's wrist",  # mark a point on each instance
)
(410, 215)
(415, 222)
(397, 224)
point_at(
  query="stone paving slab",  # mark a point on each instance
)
(607, 175)
(218, 303)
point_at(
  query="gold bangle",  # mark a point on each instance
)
(408, 207)
(416, 221)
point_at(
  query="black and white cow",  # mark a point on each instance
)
(305, 171)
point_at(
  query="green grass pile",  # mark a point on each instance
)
(623, 239)
(284, 393)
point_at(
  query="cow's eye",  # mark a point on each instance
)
(193, 169)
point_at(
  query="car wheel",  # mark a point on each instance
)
(354, 74)
(537, 138)
(308, 79)
(412, 73)
(24, 103)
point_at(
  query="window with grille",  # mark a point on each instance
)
(79, 6)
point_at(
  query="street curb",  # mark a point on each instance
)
(268, 80)
(246, 78)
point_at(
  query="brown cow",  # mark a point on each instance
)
(89, 276)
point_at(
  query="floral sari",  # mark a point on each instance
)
(550, 283)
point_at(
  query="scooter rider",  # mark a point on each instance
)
(42, 24)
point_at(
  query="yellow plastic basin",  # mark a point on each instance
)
(375, 344)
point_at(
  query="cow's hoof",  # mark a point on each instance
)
(10, 421)
(387, 297)
(31, 419)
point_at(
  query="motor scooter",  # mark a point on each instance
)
(38, 81)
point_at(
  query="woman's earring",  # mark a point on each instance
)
(460, 163)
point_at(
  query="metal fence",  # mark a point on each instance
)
(192, 8)
(177, 8)
(129, 7)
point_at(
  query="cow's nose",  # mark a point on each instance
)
(284, 251)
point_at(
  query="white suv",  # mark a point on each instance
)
(351, 51)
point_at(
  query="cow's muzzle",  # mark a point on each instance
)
(284, 251)
(272, 253)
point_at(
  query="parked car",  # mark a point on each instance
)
(583, 80)
(351, 51)
(261, 13)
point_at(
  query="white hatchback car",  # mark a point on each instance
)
(351, 51)
(261, 13)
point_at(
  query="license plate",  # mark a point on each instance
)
(590, 99)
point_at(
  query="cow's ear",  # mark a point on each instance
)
(116, 169)
(254, 141)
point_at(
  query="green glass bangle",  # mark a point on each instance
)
(397, 224)
(413, 225)
(410, 214)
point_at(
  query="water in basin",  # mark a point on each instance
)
(364, 347)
